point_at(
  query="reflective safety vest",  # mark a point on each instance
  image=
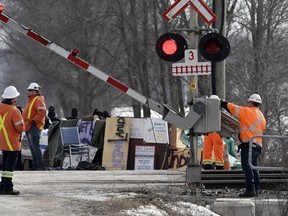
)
(35, 110)
(252, 122)
(10, 133)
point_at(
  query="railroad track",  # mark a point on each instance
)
(270, 179)
(212, 179)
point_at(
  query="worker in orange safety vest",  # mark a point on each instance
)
(34, 119)
(252, 123)
(11, 126)
(213, 141)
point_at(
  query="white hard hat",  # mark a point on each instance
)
(34, 86)
(214, 97)
(10, 92)
(255, 98)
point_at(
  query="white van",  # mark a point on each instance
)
(26, 153)
(43, 143)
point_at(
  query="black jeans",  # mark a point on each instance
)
(9, 162)
(252, 177)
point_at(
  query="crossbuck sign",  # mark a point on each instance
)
(201, 8)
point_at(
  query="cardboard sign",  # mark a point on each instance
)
(116, 143)
(144, 157)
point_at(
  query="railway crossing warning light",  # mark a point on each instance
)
(171, 47)
(214, 47)
(1, 8)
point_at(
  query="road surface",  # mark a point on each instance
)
(68, 192)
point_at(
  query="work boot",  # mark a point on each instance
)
(248, 194)
(219, 167)
(13, 192)
(207, 166)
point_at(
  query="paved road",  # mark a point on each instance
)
(68, 192)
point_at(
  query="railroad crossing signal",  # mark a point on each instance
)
(171, 47)
(191, 65)
(214, 47)
(201, 8)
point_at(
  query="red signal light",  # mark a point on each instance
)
(171, 47)
(1, 8)
(214, 47)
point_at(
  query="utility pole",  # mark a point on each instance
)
(193, 42)
(219, 8)
(193, 172)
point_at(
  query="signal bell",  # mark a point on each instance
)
(214, 47)
(171, 47)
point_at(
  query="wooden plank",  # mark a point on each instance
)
(116, 143)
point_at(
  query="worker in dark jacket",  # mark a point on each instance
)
(74, 114)
(252, 123)
(52, 114)
(11, 126)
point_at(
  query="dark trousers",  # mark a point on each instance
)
(9, 162)
(33, 136)
(252, 177)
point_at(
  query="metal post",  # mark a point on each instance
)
(193, 171)
(219, 8)
(213, 78)
(250, 153)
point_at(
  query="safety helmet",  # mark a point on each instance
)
(10, 92)
(255, 98)
(214, 97)
(34, 86)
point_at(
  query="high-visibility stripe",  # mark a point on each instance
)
(207, 162)
(219, 163)
(30, 108)
(19, 123)
(41, 108)
(7, 174)
(2, 127)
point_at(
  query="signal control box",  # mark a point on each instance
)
(210, 121)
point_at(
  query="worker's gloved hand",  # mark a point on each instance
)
(223, 103)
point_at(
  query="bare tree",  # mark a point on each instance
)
(258, 38)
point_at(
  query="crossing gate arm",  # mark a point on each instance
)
(168, 114)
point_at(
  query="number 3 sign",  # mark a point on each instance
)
(191, 65)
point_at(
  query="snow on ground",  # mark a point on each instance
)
(180, 208)
(128, 112)
(162, 208)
